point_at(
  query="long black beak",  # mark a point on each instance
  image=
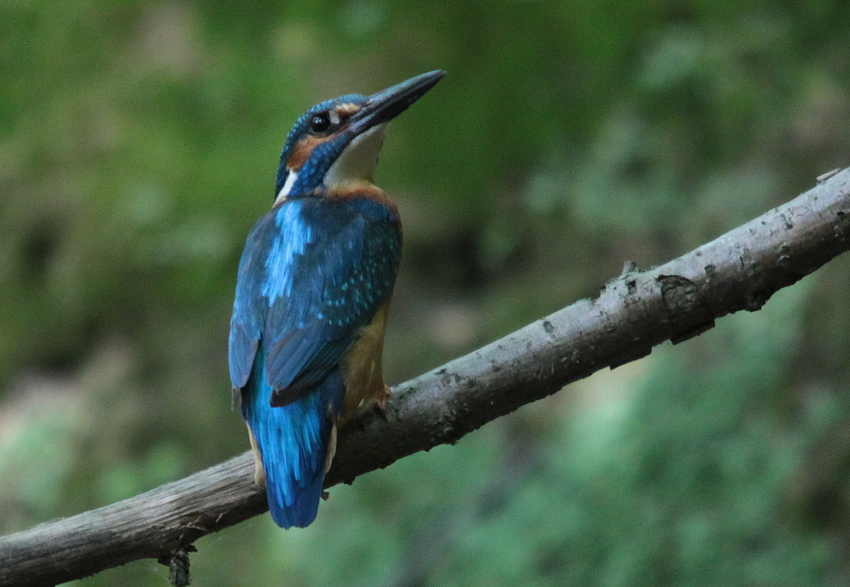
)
(389, 103)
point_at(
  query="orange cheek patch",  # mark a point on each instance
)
(302, 151)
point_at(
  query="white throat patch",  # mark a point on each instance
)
(358, 160)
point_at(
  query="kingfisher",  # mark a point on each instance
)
(313, 292)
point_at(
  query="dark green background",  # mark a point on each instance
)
(139, 141)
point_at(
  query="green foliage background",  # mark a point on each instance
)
(139, 141)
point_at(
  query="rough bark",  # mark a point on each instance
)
(634, 312)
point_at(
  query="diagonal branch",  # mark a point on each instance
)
(634, 312)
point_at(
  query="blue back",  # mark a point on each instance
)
(313, 273)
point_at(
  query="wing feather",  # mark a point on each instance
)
(314, 272)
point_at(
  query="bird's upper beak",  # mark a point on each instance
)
(387, 104)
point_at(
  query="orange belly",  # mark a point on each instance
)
(362, 367)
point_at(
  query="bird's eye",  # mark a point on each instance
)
(320, 123)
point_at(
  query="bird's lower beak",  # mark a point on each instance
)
(387, 104)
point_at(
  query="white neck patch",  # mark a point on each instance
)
(287, 186)
(358, 160)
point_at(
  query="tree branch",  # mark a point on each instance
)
(634, 312)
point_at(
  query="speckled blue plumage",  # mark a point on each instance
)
(313, 273)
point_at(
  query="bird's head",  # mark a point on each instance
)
(337, 142)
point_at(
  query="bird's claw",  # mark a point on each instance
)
(381, 402)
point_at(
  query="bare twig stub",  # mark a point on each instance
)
(634, 312)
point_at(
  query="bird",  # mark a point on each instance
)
(313, 290)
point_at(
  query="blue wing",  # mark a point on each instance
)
(313, 273)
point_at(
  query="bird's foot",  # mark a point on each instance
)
(381, 402)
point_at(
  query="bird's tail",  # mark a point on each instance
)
(293, 443)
